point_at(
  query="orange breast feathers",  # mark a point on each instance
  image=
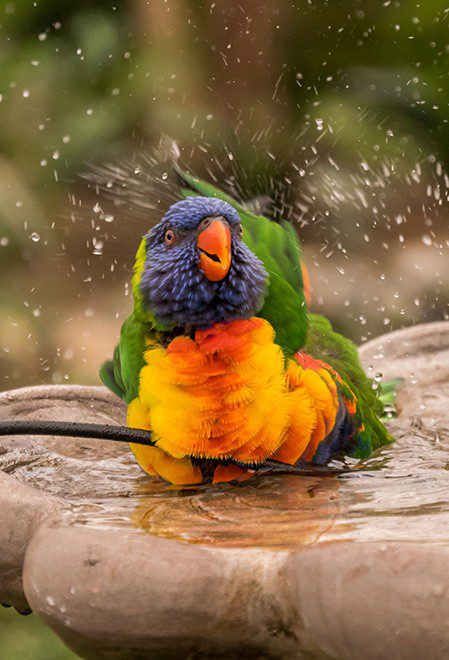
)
(227, 394)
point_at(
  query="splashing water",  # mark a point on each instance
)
(352, 218)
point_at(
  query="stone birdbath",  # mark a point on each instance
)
(346, 565)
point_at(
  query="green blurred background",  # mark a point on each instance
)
(337, 110)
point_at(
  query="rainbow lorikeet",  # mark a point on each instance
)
(220, 359)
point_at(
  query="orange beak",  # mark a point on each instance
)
(214, 245)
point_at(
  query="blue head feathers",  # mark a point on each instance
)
(198, 271)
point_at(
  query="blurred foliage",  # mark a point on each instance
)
(337, 109)
(27, 637)
(80, 80)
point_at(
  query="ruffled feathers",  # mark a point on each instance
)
(227, 395)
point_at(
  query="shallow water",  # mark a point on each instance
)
(401, 493)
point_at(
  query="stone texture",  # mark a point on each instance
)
(374, 600)
(421, 356)
(120, 565)
(163, 597)
(21, 512)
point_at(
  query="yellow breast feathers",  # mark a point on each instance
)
(227, 395)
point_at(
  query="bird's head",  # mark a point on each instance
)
(197, 270)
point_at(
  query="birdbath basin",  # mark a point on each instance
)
(346, 565)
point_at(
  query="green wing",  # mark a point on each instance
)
(121, 374)
(277, 246)
(341, 354)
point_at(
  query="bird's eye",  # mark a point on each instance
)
(205, 223)
(169, 237)
(240, 231)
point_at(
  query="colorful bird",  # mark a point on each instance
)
(220, 359)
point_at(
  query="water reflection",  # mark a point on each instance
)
(401, 493)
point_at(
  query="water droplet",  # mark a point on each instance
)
(35, 237)
(98, 246)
